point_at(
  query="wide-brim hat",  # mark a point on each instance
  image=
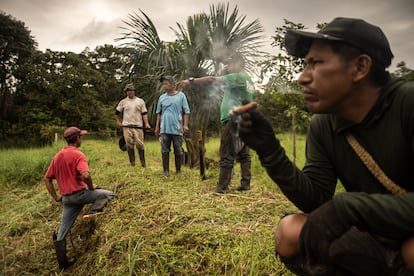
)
(129, 86)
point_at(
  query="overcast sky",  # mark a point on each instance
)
(72, 25)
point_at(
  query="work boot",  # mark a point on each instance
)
(243, 187)
(224, 180)
(142, 157)
(60, 248)
(131, 155)
(178, 161)
(166, 163)
(246, 176)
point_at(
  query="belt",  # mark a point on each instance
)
(133, 126)
(75, 192)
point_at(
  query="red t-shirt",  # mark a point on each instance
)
(66, 168)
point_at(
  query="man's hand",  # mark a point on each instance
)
(184, 83)
(257, 133)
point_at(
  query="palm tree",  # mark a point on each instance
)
(150, 58)
(229, 33)
(208, 41)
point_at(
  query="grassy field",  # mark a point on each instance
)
(154, 226)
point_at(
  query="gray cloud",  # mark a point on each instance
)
(94, 30)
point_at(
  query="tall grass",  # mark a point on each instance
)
(24, 167)
(155, 225)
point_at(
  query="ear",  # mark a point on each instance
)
(362, 67)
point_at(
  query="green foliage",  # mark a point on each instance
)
(110, 62)
(16, 45)
(48, 132)
(404, 72)
(25, 167)
(282, 102)
(278, 107)
(283, 67)
(59, 89)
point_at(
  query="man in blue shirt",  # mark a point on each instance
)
(172, 121)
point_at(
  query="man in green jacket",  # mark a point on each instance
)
(347, 88)
(238, 87)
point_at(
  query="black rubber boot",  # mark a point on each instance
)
(166, 163)
(131, 155)
(142, 157)
(224, 180)
(178, 161)
(246, 176)
(60, 248)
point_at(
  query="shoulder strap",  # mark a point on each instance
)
(372, 166)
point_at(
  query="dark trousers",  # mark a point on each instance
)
(355, 253)
(233, 149)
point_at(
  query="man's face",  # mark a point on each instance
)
(167, 86)
(326, 80)
(232, 67)
(130, 93)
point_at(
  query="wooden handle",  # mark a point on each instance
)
(243, 108)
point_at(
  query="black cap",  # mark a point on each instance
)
(355, 32)
(170, 79)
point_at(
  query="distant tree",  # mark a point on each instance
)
(282, 101)
(59, 89)
(110, 61)
(282, 96)
(404, 72)
(150, 58)
(16, 46)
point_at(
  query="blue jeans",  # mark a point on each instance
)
(73, 204)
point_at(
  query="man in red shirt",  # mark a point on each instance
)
(70, 169)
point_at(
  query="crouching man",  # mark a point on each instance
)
(356, 104)
(70, 169)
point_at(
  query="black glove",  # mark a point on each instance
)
(257, 133)
(322, 227)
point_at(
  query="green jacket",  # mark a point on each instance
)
(237, 87)
(387, 133)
